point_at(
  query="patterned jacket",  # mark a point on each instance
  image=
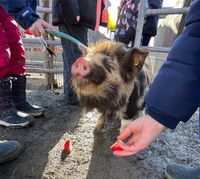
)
(127, 21)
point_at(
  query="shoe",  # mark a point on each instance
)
(30, 109)
(178, 171)
(19, 97)
(9, 117)
(9, 150)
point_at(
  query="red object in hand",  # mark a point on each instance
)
(27, 31)
(68, 145)
(116, 146)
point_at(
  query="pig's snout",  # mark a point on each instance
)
(80, 67)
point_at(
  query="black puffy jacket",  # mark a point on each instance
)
(66, 11)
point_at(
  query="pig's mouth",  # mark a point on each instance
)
(80, 82)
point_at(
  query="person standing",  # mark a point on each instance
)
(74, 17)
(151, 22)
(15, 111)
(127, 22)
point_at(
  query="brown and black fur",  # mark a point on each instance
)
(117, 82)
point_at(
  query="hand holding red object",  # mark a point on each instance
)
(27, 31)
(68, 145)
(140, 134)
(116, 146)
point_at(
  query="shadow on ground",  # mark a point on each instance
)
(91, 158)
(39, 139)
(104, 165)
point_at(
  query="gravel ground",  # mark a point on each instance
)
(43, 157)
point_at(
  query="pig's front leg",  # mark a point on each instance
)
(100, 123)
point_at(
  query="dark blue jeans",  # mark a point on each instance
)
(70, 53)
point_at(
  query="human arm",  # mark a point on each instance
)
(174, 95)
(172, 98)
(24, 13)
(37, 28)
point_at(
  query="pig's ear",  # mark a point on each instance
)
(138, 57)
(132, 63)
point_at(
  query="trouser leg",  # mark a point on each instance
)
(70, 54)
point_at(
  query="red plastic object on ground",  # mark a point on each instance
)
(116, 146)
(68, 145)
(27, 31)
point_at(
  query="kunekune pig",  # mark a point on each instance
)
(113, 79)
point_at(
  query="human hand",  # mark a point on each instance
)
(143, 130)
(37, 28)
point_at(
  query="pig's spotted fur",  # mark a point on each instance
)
(114, 84)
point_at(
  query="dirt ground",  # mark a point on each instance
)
(43, 157)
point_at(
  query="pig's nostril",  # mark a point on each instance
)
(85, 68)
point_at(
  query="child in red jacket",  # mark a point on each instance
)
(12, 78)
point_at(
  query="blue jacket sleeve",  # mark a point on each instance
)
(175, 93)
(21, 11)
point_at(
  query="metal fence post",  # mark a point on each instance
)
(140, 23)
(48, 62)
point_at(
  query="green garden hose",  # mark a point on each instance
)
(68, 37)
